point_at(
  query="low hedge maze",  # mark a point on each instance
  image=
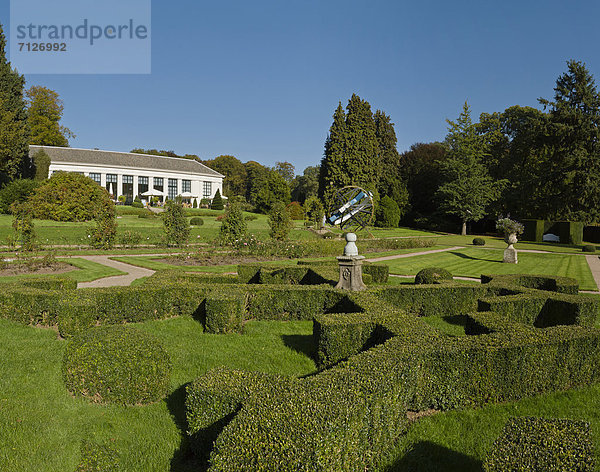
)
(378, 357)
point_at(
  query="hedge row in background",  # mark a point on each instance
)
(569, 232)
(549, 445)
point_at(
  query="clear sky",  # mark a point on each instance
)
(261, 79)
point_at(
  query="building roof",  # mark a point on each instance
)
(65, 155)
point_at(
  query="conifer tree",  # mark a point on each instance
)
(217, 201)
(351, 150)
(14, 130)
(467, 188)
(332, 171)
(391, 183)
(573, 170)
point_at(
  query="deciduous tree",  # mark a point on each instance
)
(44, 113)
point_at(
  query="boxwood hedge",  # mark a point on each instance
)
(383, 357)
(117, 364)
(551, 445)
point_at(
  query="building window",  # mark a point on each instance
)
(128, 188)
(172, 190)
(186, 186)
(111, 184)
(207, 190)
(159, 184)
(142, 185)
(96, 177)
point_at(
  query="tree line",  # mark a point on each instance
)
(524, 162)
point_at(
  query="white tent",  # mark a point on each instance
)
(153, 193)
(187, 195)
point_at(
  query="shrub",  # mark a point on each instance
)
(23, 225)
(314, 211)
(103, 234)
(589, 248)
(175, 224)
(478, 242)
(508, 226)
(147, 214)
(387, 213)
(195, 204)
(137, 203)
(432, 275)
(295, 211)
(217, 201)
(41, 163)
(551, 445)
(251, 217)
(279, 222)
(196, 221)
(17, 191)
(233, 226)
(98, 458)
(130, 238)
(68, 196)
(117, 364)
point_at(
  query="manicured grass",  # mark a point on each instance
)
(457, 441)
(42, 425)
(472, 262)
(497, 242)
(150, 230)
(86, 271)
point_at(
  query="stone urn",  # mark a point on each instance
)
(510, 253)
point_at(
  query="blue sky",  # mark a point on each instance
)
(260, 80)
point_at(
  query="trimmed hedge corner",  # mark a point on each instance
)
(549, 445)
(589, 248)
(224, 314)
(432, 275)
(117, 364)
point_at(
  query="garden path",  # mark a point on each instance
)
(132, 273)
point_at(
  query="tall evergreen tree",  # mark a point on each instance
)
(351, 150)
(573, 171)
(332, 171)
(14, 130)
(391, 183)
(467, 187)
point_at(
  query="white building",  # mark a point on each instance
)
(130, 174)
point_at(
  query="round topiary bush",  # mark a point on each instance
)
(117, 364)
(478, 242)
(589, 248)
(432, 275)
(196, 221)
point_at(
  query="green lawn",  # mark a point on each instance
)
(150, 230)
(457, 441)
(42, 425)
(85, 271)
(472, 262)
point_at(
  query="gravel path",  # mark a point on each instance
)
(132, 273)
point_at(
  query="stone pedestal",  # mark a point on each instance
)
(510, 253)
(350, 273)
